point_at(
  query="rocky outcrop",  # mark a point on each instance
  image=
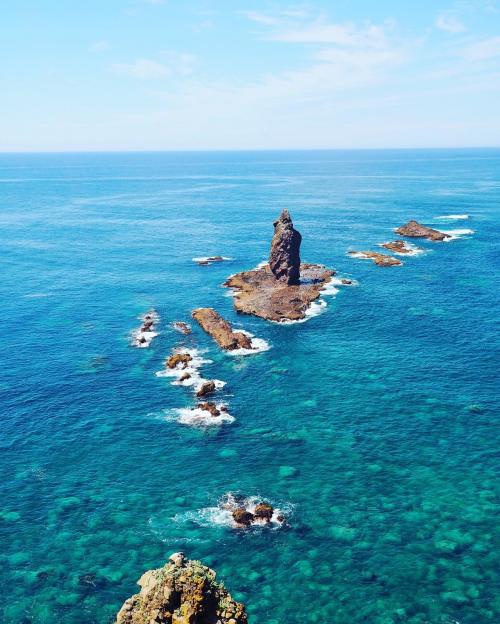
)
(182, 327)
(380, 259)
(242, 517)
(264, 511)
(178, 360)
(258, 292)
(211, 408)
(182, 592)
(413, 229)
(284, 259)
(221, 330)
(400, 247)
(206, 388)
(143, 336)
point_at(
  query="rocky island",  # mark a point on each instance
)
(414, 229)
(284, 288)
(142, 337)
(182, 592)
(378, 258)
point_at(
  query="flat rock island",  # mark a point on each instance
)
(414, 229)
(284, 288)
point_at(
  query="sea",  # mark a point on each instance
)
(373, 426)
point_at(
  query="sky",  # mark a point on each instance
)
(99, 75)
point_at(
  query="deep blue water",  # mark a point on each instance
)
(375, 423)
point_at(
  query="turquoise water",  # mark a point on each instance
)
(374, 424)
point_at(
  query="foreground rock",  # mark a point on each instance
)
(284, 259)
(413, 229)
(250, 511)
(182, 592)
(400, 247)
(211, 408)
(221, 331)
(179, 360)
(284, 288)
(379, 259)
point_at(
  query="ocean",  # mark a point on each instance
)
(373, 426)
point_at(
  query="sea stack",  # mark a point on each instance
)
(284, 288)
(181, 592)
(284, 259)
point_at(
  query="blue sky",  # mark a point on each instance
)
(207, 74)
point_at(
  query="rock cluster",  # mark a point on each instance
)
(182, 327)
(414, 229)
(209, 260)
(284, 259)
(182, 592)
(221, 330)
(143, 336)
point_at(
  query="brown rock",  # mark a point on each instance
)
(209, 407)
(346, 282)
(258, 292)
(182, 592)
(206, 388)
(220, 330)
(178, 358)
(398, 246)
(184, 376)
(182, 327)
(379, 259)
(284, 259)
(414, 229)
(264, 511)
(215, 259)
(243, 517)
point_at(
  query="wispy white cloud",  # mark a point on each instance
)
(322, 32)
(142, 69)
(449, 23)
(482, 50)
(100, 46)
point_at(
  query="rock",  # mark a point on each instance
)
(413, 229)
(243, 517)
(184, 377)
(215, 259)
(211, 407)
(203, 262)
(399, 246)
(264, 511)
(220, 330)
(178, 559)
(149, 321)
(182, 327)
(182, 592)
(285, 288)
(346, 282)
(284, 259)
(259, 293)
(206, 388)
(379, 259)
(178, 358)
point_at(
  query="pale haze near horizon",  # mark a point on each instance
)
(206, 75)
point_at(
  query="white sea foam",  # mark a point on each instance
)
(259, 345)
(456, 234)
(454, 217)
(197, 417)
(210, 259)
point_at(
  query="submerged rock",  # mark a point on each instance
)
(221, 330)
(414, 229)
(379, 259)
(182, 592)
(284, 259)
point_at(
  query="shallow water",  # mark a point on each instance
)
(374, 424)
